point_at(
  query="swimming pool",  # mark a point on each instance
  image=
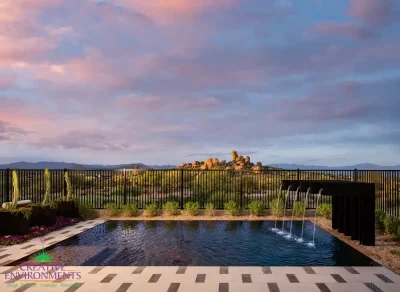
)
(204, 243)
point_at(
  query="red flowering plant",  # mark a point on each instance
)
(37, 231)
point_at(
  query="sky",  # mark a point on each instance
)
(312, 82)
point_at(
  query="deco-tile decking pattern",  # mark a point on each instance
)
(10, 254)
(218, 279)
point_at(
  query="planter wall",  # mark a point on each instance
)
(43, 216)
(13, 224)
(67, 209)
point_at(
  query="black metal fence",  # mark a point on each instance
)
(143, 187)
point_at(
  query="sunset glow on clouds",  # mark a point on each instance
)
(170, 81)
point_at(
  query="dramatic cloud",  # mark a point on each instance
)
(103, 81)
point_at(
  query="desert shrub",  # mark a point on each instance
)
(395, 252)
(130, 210)
(209, 211)
(112, 209)
(298, 209)
(171, 208)
(391, 224)
(192, 208)
(325, 210)
(256, 208)
(379, 219)
(150, 210)
(86, 211)
(232, 208)
(277, 207)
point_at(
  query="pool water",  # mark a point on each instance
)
(204, 243)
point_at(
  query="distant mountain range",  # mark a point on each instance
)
(362, 166)
(62, 165)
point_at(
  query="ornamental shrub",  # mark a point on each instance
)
(256, 208)
(112, 209)
(391, 224)
(209, 211)
(171, 208)
(130, 210)
(325, 210)
(277, 207)
(379, 219)
(150, 210)
(86, 211)
(298, 209)
(192, 208)
(232, 208)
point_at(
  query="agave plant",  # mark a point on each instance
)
(46, 199)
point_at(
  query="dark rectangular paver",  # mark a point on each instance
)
(96, 270)
(27, 246)
(74, 287)
(124, 287)
(6, 263)
(292, 278)
(338, 278)
(25, 287)
(273, 287)
(49, 238)
(154, 278)
(384, 278)
(173, 287)
(201, 278)
(322, 287)
(223, 287)
(33, 251)
(138, 270)
(309, 270)
(351, 270)
(223, 270)
(373, 287)
(4, 256)
(181, 270)
(266, 270)
(246, 278)
(108, 278)
(65, 232)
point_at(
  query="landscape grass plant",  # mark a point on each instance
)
(380, 216)
(130, 210)
(392, 224)
(276, 206)
(87, 212)
(298, 209)
(256, 208)
(170, 208)
(150, 210)
(325, 210)
(191, 208)
(112, 209)
(231, 208)
(209, 209)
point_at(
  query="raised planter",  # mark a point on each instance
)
(43, 216)
(67, 209)
(13, 224)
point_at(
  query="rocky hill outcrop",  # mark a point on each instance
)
(238, 163)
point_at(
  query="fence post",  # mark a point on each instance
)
(182, 189)
(241, 189)
(124, 186)
(355, 175)
(298, 174)
(8, 185)
(65, 183)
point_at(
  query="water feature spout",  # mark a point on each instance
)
(284, 211)
(291, 221)
(315, 218)
(277, 207)
(304, 214)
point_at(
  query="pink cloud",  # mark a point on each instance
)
(373, 11)
(352, 30)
